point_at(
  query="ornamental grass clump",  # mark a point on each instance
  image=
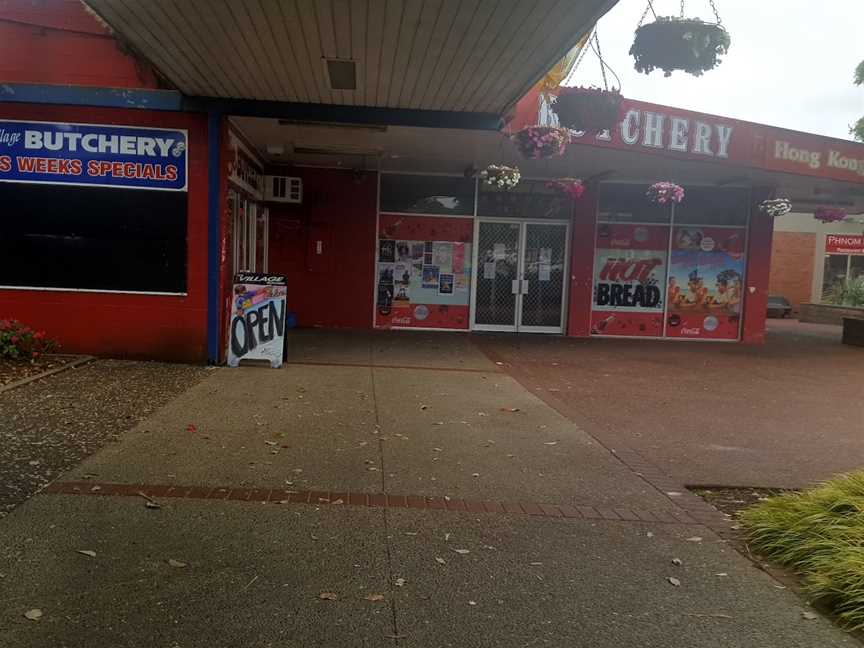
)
(819, 533)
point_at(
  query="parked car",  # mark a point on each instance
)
(778, 306)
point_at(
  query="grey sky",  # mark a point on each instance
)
(790, 63)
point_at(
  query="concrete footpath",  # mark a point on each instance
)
(383, 490)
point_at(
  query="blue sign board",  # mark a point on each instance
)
(97, 156)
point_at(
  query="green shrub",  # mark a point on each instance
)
(18, 341)
(847, 293)
(820, 534)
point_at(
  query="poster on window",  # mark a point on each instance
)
(706, 282)
(629, 279)
(423, 272)
(257, 326)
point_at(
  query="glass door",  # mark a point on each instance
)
(521, 276)
(544, 275)
(497, 270)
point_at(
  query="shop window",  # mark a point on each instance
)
(528, 199)
(626, 203)
(420, 194)
(93, 238)
(713, 206)
(836, 269)
(856, 266)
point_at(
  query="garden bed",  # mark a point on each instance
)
(11, 371)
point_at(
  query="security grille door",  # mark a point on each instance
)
(497, 275)
(543, 276)
(521, 273)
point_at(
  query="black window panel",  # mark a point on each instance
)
(627, 203)
(92, 238)
(419, 194)
(713, 206)
(528, 199)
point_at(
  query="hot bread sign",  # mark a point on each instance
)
(93, 155)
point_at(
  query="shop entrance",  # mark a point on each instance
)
(521, 270)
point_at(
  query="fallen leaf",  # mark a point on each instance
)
(649, 535)
(440, 560)
(437, 449)
(676, 561)
(472, 602)
(151, 505)
(176, 563)
(328, 596)
(399, 582)
(535, 564)
(694, 539)
(337, 501)
(475, 474)
(674, 581)
(551, 443)
(722, 574)
(374, 597)
(34, 615)
(271, 443)
(423, 407)
(462, 551)
(446, 537)
(87, 552)
(482, 414)
(809, 616)
(509, 409)
(191, 428)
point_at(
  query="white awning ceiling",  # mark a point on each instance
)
(476, 56)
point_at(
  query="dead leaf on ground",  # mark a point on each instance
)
(674, 581)
(87, 552)
(191, 428)
(551, 443)
(676, 561)
(462, 551)
(399, 582)
(423, 407)
(809, 615)
(440, 560)
(694, 539)
(34, 615)
(151, 505)
(374, 597)
(328, 596)
(510, 409)
(179, 564)
(535, 564)
(271, 443)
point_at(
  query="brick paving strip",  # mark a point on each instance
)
(392, 366)
(374, 500)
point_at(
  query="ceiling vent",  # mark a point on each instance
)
(341, 73)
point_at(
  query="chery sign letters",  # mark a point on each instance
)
(92, 155)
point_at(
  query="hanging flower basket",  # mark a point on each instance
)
(775, 207)
(672, 43)
(537, 142)
(665, 192)
(590, 110)
(571, 187)
(830, 214)
(500, 177)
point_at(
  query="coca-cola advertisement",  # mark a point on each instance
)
(706, 283)
(629, 279)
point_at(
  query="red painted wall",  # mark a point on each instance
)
(131, 326)
(334, 288)
(583, 232)
(59, 42)
(758, 271)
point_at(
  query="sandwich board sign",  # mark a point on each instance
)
(256, 332)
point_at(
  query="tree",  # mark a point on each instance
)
(858, 129)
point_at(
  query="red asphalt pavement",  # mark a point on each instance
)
(785, 414)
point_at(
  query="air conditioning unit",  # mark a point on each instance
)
(283, 189)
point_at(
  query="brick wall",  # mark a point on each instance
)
(792, 259)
